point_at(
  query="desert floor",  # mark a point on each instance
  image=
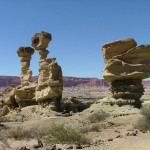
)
(116, 131)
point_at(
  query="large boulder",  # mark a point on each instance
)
(130, 62)
(126, 65)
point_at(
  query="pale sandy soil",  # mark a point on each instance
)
(112, 135)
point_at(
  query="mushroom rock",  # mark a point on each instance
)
(126, 65)
(50, 84)
(25, 54)
(41, 40)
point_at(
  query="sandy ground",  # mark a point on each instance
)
(116, 132)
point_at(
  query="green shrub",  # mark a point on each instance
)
(98, 116)
(62, 134)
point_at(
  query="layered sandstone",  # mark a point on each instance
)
(25, 54)
(126, 65)
(49, 86)
(50, 83)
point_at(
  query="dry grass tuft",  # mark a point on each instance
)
(62, 134)
(98, 117)
(144, 122)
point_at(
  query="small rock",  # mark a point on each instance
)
(117, 131)
(132, 133)
(67, 114)
(78, 146)
(143, 131)
(130, 130)
(119, 136)
(127, 134)
(4, 111)
(70, 147)
(40, 144)
(111, 139)
(24, 148)
(110, 123)
(91, 111)
(88, 145)
(51, 148)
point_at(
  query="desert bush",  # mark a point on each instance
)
(145, 111)
(17, 133)
(144, 122)
(98, 116)
(84, 129)
(62, 134)
(21, 133)
(95, 128)
(3, 119)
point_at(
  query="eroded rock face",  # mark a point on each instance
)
(41, 40)
(52, 85)
(25, 54)
(126, 65)
(49, 86)
(50, 74)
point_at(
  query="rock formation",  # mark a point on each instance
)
(49, 86)
(126, 65)
(25, 54)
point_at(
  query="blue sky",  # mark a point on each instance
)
(79, 28)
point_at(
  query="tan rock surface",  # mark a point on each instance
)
(25, 95)
(115, 48)
(4, 111)
(8, 95)
(111, 136)
(49, 86)
(40, 40)
(25, 54)
(126, 66)
(126, 61)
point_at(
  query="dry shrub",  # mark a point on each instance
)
(98, 116)
(144, 122)
(62, 134)
(95, 128)
(21, 133)
(3, 119)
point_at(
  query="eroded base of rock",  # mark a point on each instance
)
(127, 89)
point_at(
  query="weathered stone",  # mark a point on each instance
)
(4, 111)
(40, 40)
(25, 95)
(115, 48)
(50, 74)
(127, 89)
(49, 86)
(134, 64)
(126, 66)
(25, 54)
(8, 96)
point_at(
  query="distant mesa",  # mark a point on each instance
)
(6, 81)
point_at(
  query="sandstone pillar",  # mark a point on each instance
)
(126, 65)
(49, 82)
(25, 54)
